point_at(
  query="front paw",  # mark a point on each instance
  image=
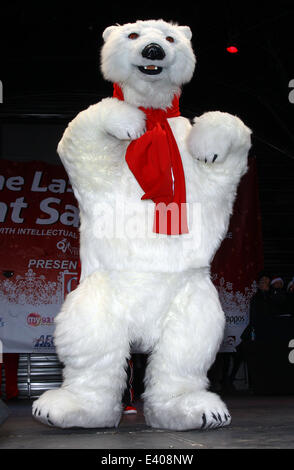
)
(122, 120)
(215, 135)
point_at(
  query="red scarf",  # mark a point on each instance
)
(155, 161)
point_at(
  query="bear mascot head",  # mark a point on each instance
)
(151, 60)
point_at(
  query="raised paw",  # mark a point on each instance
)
(215, 135)
(208, 158)
(122, 120)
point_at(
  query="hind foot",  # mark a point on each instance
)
(64, 409)
(196, 410)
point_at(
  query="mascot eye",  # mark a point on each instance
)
(133, 36)
(170, 39)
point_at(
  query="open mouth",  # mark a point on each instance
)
(150, 69)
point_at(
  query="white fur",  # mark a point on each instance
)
(154, 291)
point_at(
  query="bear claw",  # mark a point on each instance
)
(48, 420)
(216, 422)
(203, 421)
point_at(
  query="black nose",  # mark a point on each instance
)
(153, 52)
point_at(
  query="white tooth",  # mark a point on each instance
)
(146, 67)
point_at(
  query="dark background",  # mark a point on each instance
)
(50, 71)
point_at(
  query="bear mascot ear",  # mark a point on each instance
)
(186, 31)
(106, 33)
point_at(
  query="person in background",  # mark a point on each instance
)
(260, 308)
(290, 297)
(278, 297)
(135, 381)
(128, 397)
(259, 314)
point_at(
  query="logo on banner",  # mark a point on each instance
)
(44, 342)
(64, 245)
(236, 320)
(34, 319)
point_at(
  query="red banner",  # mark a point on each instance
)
(39, 246)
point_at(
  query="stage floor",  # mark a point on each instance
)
(257, 422)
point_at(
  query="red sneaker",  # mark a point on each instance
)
(130, 410)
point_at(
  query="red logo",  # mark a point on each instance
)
(34, 319)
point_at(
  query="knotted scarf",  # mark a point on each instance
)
(155, 161)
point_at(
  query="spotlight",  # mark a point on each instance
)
(232, 49)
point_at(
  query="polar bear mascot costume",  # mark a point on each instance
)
(155, 194)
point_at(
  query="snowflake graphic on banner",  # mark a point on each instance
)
(31, 289)
(234, 301)
(235, 305)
